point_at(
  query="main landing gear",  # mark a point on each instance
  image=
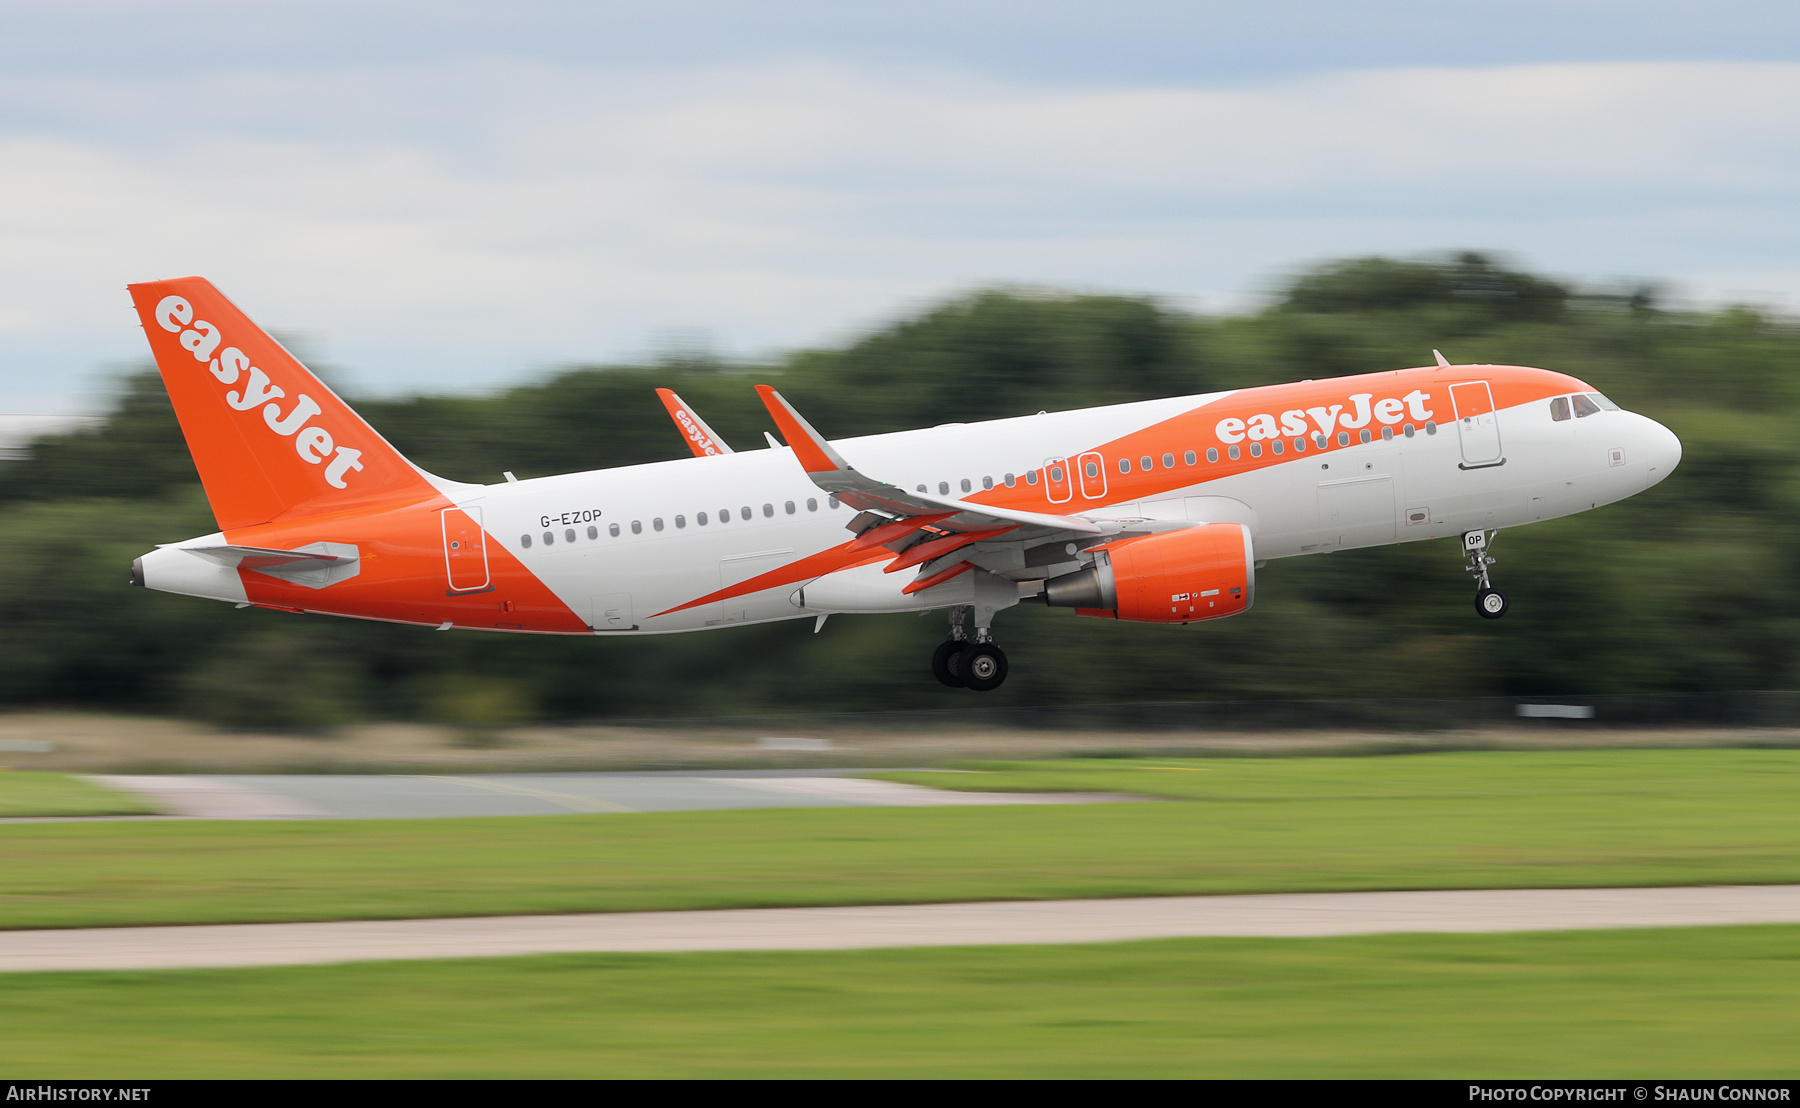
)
(962, 663)
(1490, 603)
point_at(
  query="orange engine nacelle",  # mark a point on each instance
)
(1196, 573)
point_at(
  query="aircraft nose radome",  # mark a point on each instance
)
(1661, 449)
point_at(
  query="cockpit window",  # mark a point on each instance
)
(1559, 409)
(1583, 406)
(1603, 401)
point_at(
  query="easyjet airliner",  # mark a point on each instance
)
(1158, 512)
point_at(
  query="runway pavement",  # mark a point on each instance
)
(390, 796)
(1005, 923)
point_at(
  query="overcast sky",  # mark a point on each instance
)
(450, 196)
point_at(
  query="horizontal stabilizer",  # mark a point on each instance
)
(315, 565)
(257, 557)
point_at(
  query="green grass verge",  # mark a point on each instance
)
(1715, 779)
(59, 794)
(1478, 820)
(1658, 1003)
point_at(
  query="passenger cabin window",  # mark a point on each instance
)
(1031, 478)
(768, 511)
(1124, 465)
(1190, 457)
(525, 541)
(637, 526)
(612, 530)
(1168, 461)
(593, 532)
(1146, 464)
(700, 518)
(1583, 406)
(724, 515)
(987, 482)
(812, 504)
(966, 486)
(1056, 473)
(1092, 468)
(657, 523)
(1559, 409)
(832, 501)
(1212, 453)
(1010, 480)
(1299, 446)
(788, 507)
(569, 535)
(1275, 446)
(549, 539)
(943, 488)
(745, 512)
(680, 522)
(1232, 452)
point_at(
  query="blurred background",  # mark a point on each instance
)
(498, 229)
(1685, 588)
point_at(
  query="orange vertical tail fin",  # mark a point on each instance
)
(268, 437)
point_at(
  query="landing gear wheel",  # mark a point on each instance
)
(1491, 603)
(944, 663)
(982, 666)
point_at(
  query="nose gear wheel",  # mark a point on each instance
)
(1490, 602)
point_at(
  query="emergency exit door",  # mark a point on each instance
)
(465, 549)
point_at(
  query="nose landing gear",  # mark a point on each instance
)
(962, 663)
(1490, 603)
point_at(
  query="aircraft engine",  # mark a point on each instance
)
(1196, 573)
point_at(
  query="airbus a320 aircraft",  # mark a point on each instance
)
(1157, 512)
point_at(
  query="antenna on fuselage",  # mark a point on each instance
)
(1442, 362)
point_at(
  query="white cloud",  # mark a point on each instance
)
(439, 226)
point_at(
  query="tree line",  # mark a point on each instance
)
(1682, 588)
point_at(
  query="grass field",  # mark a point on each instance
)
(58, 794)
(1662, 1003)
(1477, 820)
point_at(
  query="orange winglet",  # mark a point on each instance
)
(888, 532)
(937, 548)
(937, 578)
(700, 438)
(810, 447)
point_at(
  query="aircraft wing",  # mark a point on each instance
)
(923, 530)
(700, 438)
